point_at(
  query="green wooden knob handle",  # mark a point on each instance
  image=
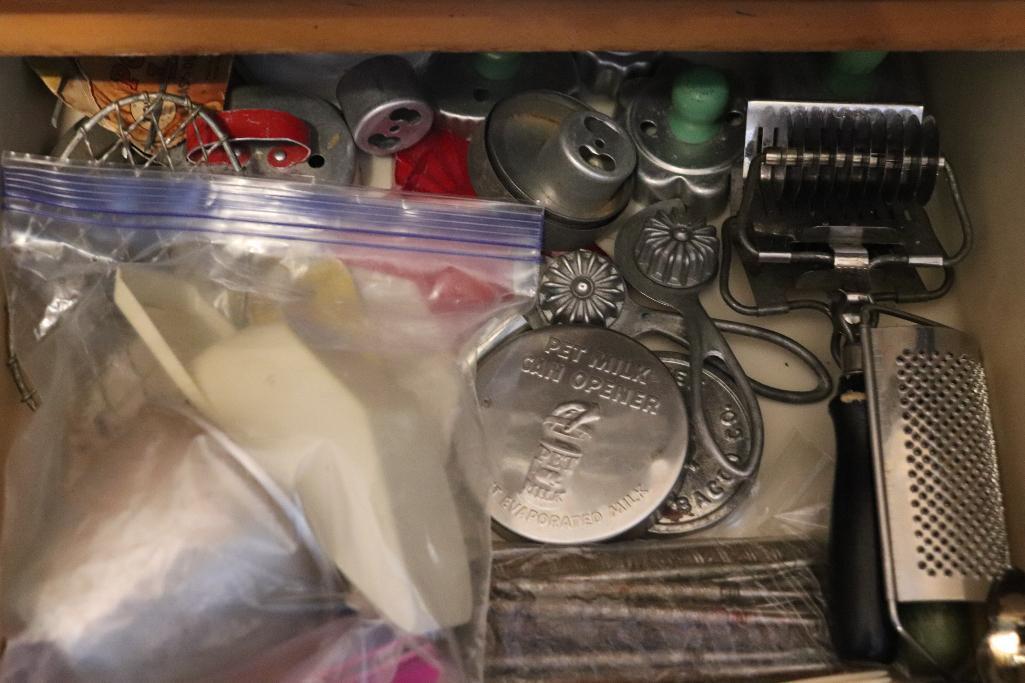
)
(698, 101)
(497, 66)
(850, 74)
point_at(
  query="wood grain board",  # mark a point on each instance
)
(64, 27)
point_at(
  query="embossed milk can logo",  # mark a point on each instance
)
(563, 434)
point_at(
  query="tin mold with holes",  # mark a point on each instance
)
(384, 104)
(550, 148)
(689, 133)
(587, 433)
(706, 493)
(332, 153)
(464, 87)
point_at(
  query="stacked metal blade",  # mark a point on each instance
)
(863, 157)
(658, 611)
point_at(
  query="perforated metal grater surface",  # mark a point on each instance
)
(941, 509)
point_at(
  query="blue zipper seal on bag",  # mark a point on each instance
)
(113, 197)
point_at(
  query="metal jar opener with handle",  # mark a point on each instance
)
(586, 287)
(667, 254)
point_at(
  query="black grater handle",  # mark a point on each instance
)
(859, 623)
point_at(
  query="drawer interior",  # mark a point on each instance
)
(979, 102)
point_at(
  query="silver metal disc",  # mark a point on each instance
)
(581, 287)
(393, 126)
(706, 494)
(586, 430)
(384, 105)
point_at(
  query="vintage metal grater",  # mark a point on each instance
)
(942, 529)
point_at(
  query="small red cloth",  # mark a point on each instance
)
(445, 289)
(435, 165)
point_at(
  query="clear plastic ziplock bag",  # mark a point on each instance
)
(257, 442)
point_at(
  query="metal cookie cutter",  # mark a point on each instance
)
(547, 147)
(587, 433)
(688, 133)
(330, 155)
(465, 87)
(384, 104)
(602, 73)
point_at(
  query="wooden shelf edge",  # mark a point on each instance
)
(66, 27)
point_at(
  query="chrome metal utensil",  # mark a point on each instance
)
(587, 433)
(332, 152)
(585, 287)
(706, 493)
(666, 253)
(547, 147)
(936, 462)
(384, 105)
(689, 133)
(917, 532)
(941, 514)
(464, 87)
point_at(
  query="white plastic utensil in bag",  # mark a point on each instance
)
(326, 334)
